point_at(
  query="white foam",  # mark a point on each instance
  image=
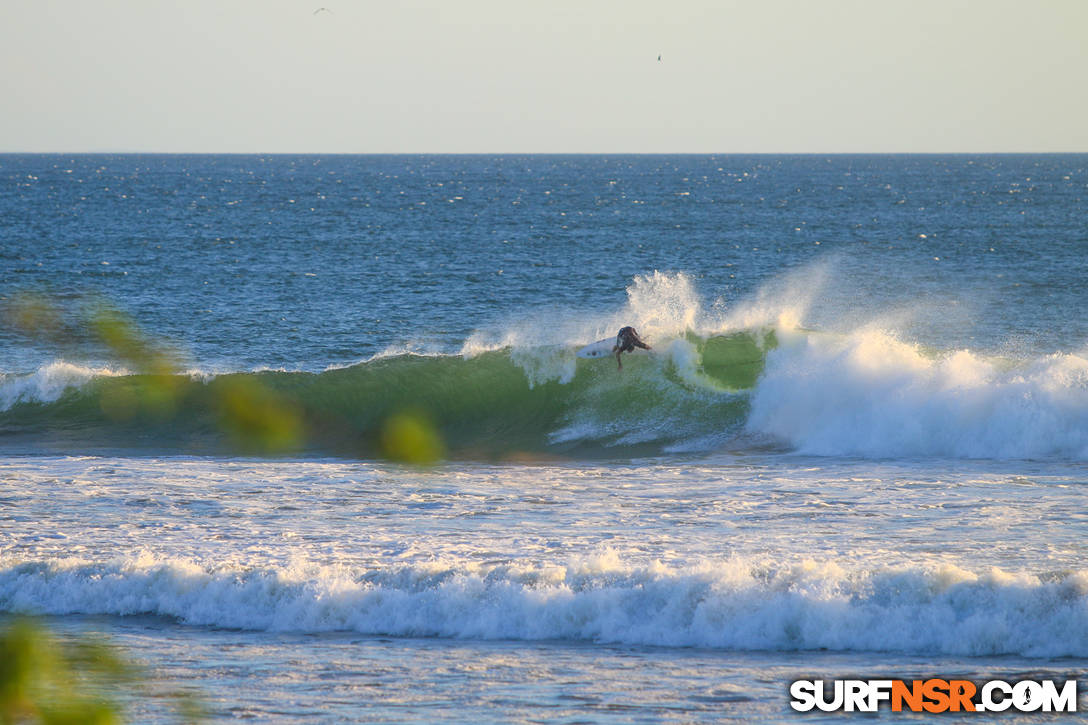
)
(734, 604)
(661, 306)
(49, 382)
(870, 394)
(541, 343)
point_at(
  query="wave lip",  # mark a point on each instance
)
(49, 382)
(732, 605)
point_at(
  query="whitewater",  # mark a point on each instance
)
(858, 448)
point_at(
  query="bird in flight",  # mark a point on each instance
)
(322, 10)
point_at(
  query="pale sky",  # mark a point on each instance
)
(579, 76)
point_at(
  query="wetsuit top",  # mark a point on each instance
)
(627, 339)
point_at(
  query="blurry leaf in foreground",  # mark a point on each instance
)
(154, 393)
(148, 397)
(126, 342)
(72, 682)
(34, 315)
(43, 681)
(411, 438)
(257, 417)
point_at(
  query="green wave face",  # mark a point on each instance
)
(501, 404)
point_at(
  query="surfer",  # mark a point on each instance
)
(626, 341)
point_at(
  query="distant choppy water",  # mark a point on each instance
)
(858, 449)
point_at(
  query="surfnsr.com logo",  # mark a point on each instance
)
(934, 695)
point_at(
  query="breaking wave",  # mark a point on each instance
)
(869, 394)
(720, 376)
(733, 604)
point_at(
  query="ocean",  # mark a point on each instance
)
(859, 447)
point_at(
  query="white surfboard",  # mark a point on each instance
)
(601, 348)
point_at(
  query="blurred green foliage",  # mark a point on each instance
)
(43, 682)
(128, 344)
(411, 437)
(257, 418)
(34, 314)
(74, 682)
(254, 417)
